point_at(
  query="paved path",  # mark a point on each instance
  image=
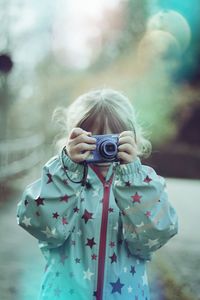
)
(22, 264)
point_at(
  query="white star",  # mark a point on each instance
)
(130, 289)
(151, 243)
(116, 226)
(127, 208)
(26, 221)
(137, 262)
(118, 182)
(78, 193)
(125, 269)
(87, 274)
(144, 279)
(79, 232)
(75, 175)
(171, 227)
(49, 232)
(133, 235)
(96, 192)
(140, 225)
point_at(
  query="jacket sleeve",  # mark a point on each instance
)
(148, 219)
(49, 206)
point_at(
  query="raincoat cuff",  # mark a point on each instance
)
(129, 169)
(69, 164)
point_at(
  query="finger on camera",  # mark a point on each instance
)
(125, 157)
(127, 140)
(75, 132)
(127, 133)
(126, 148)
(79, 148)
(83, 138)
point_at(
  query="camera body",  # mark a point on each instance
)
(106, 149)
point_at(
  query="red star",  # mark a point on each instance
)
(39, 201)
(55, 215)
(87, 216)
(148, 213)
(128, 183)
(110, 209)
(147, 179)
(112, 244)
(94, 256)
(64, 198)
(90, 242)
(113, 258)
(136, 198)
(64, 221)
(49, 178)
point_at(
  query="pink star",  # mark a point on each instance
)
(148, 213)
(64, 221)
(147, 179)
(94, 256)
(136, 198)
(112, 244)
(64, 198)
(87, 216)
(113, 258)
(90, 242)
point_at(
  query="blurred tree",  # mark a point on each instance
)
(6, 65)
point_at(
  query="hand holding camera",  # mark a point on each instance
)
(82, 146)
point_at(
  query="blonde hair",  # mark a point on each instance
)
(109, 108)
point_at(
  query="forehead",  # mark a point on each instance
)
(103, 121)
(101, 127)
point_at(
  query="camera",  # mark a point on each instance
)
(106, 149)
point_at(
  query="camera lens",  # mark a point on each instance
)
(108, 149)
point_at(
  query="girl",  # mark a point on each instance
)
(98, 224)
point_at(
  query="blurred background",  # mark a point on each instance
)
(53, 51)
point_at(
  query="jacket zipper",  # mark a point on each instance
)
(102, 245)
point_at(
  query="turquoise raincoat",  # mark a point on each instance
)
(97, 238)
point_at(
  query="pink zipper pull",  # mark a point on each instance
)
(107, 184)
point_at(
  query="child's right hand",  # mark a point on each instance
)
(79, 145)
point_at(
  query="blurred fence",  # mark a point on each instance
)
(19, 155)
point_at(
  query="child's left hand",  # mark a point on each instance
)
(127, 149)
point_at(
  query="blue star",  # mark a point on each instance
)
(116, 286)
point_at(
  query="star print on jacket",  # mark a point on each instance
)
(136, 198)
(97, 238)
(90, 243)
(87, 216)
(116, 286)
